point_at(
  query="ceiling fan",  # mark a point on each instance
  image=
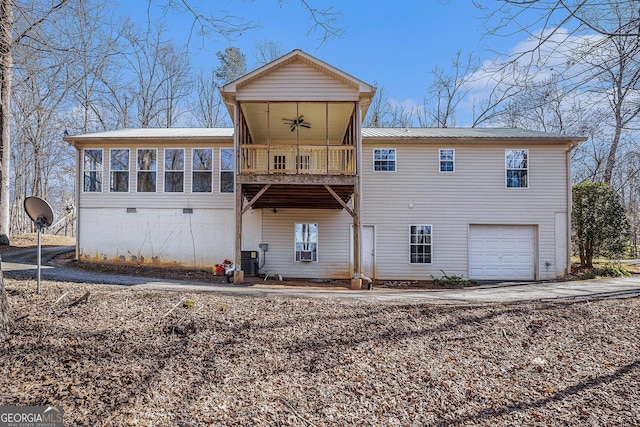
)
(294, 123)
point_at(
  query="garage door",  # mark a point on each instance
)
(499, 252)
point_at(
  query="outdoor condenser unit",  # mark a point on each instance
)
(249, 263)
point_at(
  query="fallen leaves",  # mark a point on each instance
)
(131, 357)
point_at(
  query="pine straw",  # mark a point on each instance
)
(142, 357)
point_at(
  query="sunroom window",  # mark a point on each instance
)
(226, 170)
(147, 170)
(92, 165)
(119, 164)
(202, 170)
(174, 170)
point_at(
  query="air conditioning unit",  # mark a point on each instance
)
(306, 255)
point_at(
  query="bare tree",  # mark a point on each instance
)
(380, 109)
(605, 65)
(175, 67)
(267, 51)
(208, 108)
(447, 90)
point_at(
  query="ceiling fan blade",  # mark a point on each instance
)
(293, 127)
(306, 125)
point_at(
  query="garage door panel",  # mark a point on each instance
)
(500, 252)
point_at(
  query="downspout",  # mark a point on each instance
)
(77, 198)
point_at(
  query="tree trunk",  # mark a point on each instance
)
(5, 320)
(6, 64)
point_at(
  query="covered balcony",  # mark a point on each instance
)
(297, 154)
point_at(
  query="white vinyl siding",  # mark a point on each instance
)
(92, 170)
(333, 242)
(297, 81)
(475, 193)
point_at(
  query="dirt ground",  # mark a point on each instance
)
(113, 355)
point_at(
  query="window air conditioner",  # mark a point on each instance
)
(306, 255)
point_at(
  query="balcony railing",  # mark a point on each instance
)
(303, 159)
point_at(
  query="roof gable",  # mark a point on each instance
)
(298, 56)
(297, 76)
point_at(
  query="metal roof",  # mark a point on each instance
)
(462, 133)
(156, 133)
(367, 133)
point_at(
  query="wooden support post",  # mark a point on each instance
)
(357, 199)
(238, 276)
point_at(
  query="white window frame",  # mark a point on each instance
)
(446, 160)
(195, 171)
(153, 171)
(99, 172)
(172, 171)
(510, 167)
(378, 161)
(414, 243)
(312, 245)
(232, 170)
(114, 172)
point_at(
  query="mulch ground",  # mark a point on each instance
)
(123, 356)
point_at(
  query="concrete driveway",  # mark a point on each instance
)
(22, 264)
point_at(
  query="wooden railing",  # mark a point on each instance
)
(303, 159)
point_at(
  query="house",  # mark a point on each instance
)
(298, 188)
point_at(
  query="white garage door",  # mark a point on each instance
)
(498, 252)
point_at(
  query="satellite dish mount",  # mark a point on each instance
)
(41, 214)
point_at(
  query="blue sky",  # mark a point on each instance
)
(394, 43)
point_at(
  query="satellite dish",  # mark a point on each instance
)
(39, 211)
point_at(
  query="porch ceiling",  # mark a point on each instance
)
(273, 120)
(297, 196)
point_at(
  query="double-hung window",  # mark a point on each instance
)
(202, 170)
(447, 160)
(174, 170)
(147, 166)
(517, 168)
(92, 165)
(119, 166)
(384, 159)
(226, 170)
(420, 244)
(306, 242)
